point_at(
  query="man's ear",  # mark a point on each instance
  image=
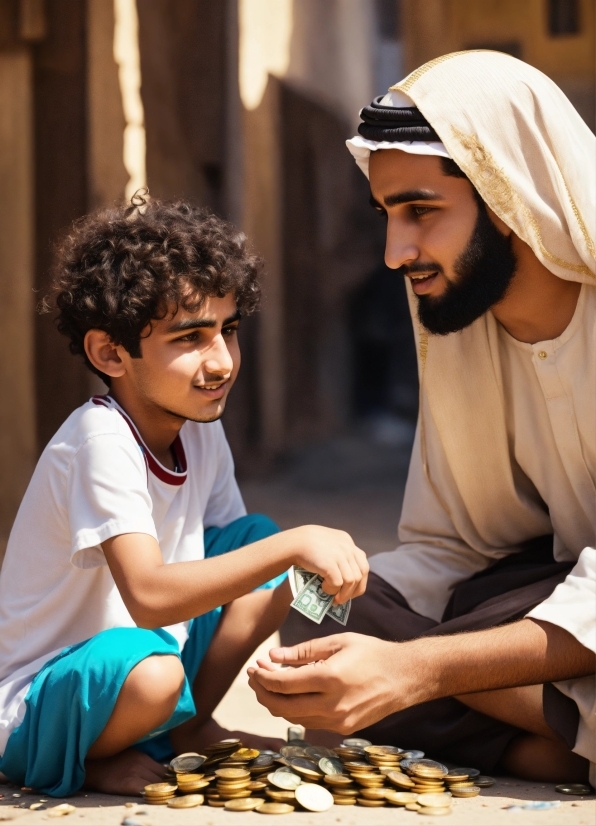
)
(104, 354)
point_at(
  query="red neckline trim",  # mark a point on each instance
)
(157, 469)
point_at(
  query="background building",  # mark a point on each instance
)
(242, 105)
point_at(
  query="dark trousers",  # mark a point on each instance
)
(446, 729)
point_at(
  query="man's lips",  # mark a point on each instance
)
(423, 283)
(213, 390)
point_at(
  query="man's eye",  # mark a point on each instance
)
(421, 210)
(228, 332)
(188, 337)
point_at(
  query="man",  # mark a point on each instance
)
(485, 175)
(132, 535)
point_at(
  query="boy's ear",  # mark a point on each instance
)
(103, 353)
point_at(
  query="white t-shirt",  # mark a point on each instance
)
(96, 479)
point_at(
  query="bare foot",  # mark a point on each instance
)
(126, 773)
(197, 737)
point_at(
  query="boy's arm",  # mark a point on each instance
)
(246, 623)
(158, 594)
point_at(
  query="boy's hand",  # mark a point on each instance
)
(333, 555)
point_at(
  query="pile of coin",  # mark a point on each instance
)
(313, 778)
(159, 793)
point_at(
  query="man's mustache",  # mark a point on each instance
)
(419, 266)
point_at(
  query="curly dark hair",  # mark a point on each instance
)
(118, 269)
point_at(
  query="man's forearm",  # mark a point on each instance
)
(527, 652)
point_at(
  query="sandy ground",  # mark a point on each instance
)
(356, 486)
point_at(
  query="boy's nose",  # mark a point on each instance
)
(219, 361)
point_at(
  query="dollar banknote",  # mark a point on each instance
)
(311, 600)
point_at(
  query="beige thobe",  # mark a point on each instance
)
(548, 392)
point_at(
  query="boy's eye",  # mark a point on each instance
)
(228, 332)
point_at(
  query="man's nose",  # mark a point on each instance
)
(219, 359)
(400, 247)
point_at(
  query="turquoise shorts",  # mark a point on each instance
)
(72, 698)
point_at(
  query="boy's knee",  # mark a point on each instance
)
(156, 680)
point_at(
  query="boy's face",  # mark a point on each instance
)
(189, 361)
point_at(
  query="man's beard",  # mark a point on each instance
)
(484, 272)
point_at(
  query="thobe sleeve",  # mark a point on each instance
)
(432, 557)
(572, 606)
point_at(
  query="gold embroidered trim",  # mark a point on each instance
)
(580, 221)
(491, 179)
(423, 350)
(407, 84)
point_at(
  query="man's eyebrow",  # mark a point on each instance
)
(406, 197)
(198, 323)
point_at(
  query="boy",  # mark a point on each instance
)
(114, 649)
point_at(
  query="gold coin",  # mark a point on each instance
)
(338, 780)
(245, 754)
(383, 751)
(281, 795)
(275, 809)
(244, 805)
(188, 802)
(188, 778)
(400, 798)
(400, 779)
(413, 807)
(469, 791)
(373, 794)
(464, 784)
(233, 774)
(437, 811)
(372, 804)
(235, 794)
(216, 802)
(344, 801)
(256, 785)
(434, 800)
(160, 788)
(158, 801)
(454, 777)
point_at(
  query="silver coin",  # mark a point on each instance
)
(272, 754)
(314, 798)
(263, 761)
(317, 752)
(292, 752)
(330, 765)
(574, 788)
(470, 772)
(428, 764)
(284, 779)
(356, 742)
(187, 763)
(414, 754)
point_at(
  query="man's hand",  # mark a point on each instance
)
(333, 555)
(343, 683)
(348, 681)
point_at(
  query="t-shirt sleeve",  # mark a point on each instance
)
(572, 604)
(106, 495)
(225, 502)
